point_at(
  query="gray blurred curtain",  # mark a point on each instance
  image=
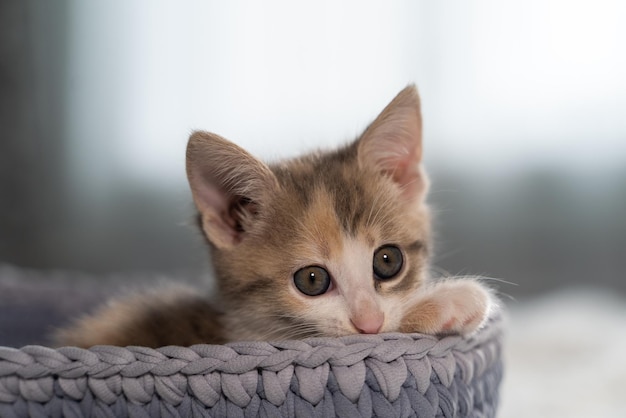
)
(32, 114)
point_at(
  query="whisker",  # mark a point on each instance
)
(305, 329)
(508, 296)
(446, 275)
(375, 203)
(382, 206)
(443, 273)
(495, 279)
(292, 333)
(478, 277)
(444, 256)
(289, 331)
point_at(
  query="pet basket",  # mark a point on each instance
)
(384, 375)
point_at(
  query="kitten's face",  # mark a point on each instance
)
(328, 244)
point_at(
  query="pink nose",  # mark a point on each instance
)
(370, 324)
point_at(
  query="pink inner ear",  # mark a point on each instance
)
(396, 151)
(393, 143)
(224, 180)
(210, 197)
(406, 175)
(214, 205)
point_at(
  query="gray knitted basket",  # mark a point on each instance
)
(383, 375)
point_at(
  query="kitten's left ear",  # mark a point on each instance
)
(229, 187)
(393, 143)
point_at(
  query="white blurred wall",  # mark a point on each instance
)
(523, 102)
(505, 85)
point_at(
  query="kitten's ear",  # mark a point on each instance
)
(393, 143)
(229, 187)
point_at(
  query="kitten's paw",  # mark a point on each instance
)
(451, 307)
(466, 306)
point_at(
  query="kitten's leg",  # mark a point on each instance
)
(174, 315)
(458, 306)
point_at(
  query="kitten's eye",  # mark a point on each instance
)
(387, 262)
(312, 280)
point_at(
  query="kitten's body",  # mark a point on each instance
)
(331, 243)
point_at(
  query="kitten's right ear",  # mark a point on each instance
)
(393, 144)
(229, 187)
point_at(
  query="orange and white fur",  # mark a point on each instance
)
(327, 244)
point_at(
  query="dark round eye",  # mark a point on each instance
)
(312, 280)
(387, 262)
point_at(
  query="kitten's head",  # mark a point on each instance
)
(331, 243)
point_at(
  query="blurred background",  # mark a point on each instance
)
(524, 106)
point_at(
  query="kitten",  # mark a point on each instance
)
(328, 244)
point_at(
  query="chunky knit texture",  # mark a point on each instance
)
(385, 375)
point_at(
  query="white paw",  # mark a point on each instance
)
(459, 306)
(465, 305)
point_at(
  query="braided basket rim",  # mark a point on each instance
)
(248, 373)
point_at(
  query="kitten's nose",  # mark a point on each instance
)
(370, 324)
